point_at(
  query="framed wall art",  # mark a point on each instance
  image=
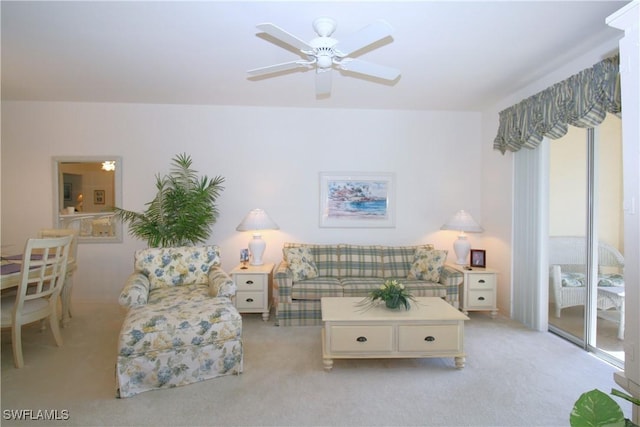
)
(365, 200)
(478, 258)
(98, 197)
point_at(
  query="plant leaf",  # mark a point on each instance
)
(183, 210)
(596, 409)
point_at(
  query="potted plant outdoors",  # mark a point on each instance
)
(183, 211)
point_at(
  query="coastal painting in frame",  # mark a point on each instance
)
(364, 200)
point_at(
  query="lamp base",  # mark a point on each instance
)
(257, 247)
(462, 247)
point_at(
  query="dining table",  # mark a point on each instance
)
(11, 267)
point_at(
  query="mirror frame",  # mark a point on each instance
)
(57, 216)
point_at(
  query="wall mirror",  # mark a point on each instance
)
(85, 191)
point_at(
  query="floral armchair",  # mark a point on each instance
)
(182, 326)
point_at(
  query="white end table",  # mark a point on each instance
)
(255, 292)
(479, 289)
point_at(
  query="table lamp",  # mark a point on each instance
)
(462, 221)
(257, 220)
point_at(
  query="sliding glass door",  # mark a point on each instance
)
(586, 290)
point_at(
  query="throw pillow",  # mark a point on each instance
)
(427, 264)
(301, 263)
(572, 280)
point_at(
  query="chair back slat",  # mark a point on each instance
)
(44, 267)
(60, 232)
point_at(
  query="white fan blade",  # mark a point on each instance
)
(284, 36)
(369, 68)
(278, 67)
(323, 81)
(362, 38)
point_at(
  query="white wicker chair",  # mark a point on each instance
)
(567, 255)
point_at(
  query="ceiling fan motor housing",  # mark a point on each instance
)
(323, 51)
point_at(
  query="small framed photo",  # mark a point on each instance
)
(478, 258)
(98, 197)
(244, 257)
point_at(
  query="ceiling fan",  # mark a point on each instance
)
(325, 53)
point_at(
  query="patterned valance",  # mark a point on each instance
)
(581, 100)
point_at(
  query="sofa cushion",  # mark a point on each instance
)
(316, 288)
(427, 264)
(176, 266)
(360, 261)
(301, 264)
(360, 286)
(324, 256)
(422, 288)
(397, 260)
(176, 317)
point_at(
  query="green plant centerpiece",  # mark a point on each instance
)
(393, 293)
(183, 211)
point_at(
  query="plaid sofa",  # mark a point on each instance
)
(351, 271)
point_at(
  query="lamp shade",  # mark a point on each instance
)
(257, 220)
(462, 222)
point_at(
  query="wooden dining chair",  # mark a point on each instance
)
(43, 272)
(65, 294)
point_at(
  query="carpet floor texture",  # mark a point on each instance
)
(513, 377)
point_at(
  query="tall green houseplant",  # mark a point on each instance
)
(183, 211)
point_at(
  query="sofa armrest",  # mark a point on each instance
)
(135, 291)
(282, 283)
(451, 280)
(220, 283)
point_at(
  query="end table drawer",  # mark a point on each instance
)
(430, 338)
(481, 299)
(249, 300)
(361, 338)
(250, 282)
(482, 281)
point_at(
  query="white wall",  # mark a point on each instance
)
(270, 158)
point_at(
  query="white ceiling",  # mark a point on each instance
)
(453, 55)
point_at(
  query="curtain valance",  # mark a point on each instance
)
(582, 100)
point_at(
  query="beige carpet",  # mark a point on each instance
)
(513, 377)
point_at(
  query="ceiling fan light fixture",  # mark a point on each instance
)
(325, 60)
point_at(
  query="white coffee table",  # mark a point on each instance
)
(431, 328)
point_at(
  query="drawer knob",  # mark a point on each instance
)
(480, 298)
(361, 339)
(249, 282)
(430, 338)
(481, 281)
(249, 300)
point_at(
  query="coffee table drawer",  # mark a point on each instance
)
(431, 338)
(360, 338)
